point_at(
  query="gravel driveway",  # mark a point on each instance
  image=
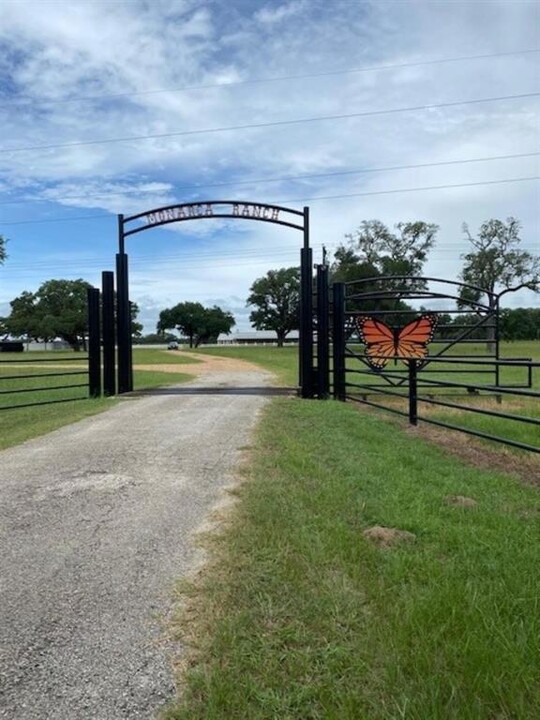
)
(96, 524)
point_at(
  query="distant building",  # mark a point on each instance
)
(256, 337)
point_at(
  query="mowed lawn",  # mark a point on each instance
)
(23, 423)
(299, 616)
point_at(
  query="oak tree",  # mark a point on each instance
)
(276, 298)
(194, 321)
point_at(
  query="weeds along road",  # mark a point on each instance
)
(96, 525)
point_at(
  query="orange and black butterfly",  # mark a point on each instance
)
(384, 343)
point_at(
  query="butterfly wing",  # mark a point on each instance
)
(412, 340)
(378, 339)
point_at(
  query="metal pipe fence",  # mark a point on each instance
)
(29, 388)
(418, 392)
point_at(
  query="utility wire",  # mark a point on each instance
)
(308, 199)
(406, 190)
(259, 181)
(255, 251)
(276, 123)
(254, 81)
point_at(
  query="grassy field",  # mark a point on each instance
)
(20, 424)
(154, 356)
(283, 362)
(513, 404)
(298, 616)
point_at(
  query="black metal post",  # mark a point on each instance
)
(94, 344)
(306, 323)
(413, 393)
(306, 315)
(107, 313)
(323, 362)
(130, 345)
(338, 335)
(122, 323)
(497, 338)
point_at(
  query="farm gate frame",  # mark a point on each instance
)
(231, 209)
(331, 360)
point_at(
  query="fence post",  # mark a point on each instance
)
(94, 344)
(413, 393)
(107, 310)
(338, 335)
(123, 322)
(306, 323)
(323, 361)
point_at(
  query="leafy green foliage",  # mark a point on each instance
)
(197, 323)
(496, 262)
(520, 324)
(57, 309)
(276, 300)
(373, 250)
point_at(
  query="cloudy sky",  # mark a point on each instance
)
(99, 101)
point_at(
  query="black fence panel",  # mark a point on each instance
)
(36, 381)
(412, 399)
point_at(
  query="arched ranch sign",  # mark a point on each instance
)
(262, 212)
(216, 209)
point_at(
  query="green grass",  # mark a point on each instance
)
(284, 363)
(281, 361)
(513, 430)
(300, 618)
(154, 356)
(20, 424)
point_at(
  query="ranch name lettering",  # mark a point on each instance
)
(185, 212)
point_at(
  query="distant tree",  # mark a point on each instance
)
(57, 309)
(4, 332)
(157, 338)
(276, 298)
(374, 250)
(520, 324)
(23, 319)
(136, 327)
(3, 253)
(496, 263)
(194, 321)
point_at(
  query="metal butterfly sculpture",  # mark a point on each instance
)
(384, 343)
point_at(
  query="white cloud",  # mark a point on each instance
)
(270, 15)
(64, 51)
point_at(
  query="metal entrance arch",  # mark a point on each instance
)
(235, 209)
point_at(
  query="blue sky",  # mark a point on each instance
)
(76, 72)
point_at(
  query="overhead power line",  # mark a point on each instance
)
(305, 199)
(261, 80)
(275, 123)
(259, 181)
(407, 190)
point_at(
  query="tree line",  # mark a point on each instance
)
(495, 262)
(58, 309)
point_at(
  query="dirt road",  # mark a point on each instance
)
(96, 525)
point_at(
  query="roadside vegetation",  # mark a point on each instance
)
(299, 615)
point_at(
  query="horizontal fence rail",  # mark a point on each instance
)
(38, 384)
(415, 394)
